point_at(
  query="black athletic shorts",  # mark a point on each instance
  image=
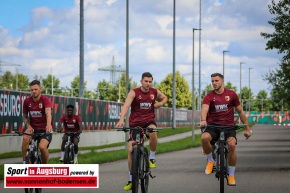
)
(214, 133)
(133, 134)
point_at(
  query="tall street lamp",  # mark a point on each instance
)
(224, 51)
(193, 97)
(249, 90)
(241, 81)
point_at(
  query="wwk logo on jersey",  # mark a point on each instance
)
(223, 107)
(152, 96)
(40, 105)
(145, 105)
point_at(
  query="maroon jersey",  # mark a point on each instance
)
(70, 124)
(221, 107)
(36, 111)
(142, 107)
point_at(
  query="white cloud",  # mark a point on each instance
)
(51, 39)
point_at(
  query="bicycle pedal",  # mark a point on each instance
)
(151, 175)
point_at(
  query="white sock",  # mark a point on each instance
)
(76, 155)
(152, 154)
(62, 154)
(130, 177)
(24, 162)
(231, 170)
(209, 157)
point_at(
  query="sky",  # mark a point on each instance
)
(43, 37)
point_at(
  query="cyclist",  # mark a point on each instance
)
(143, 101)
(218, 108)
(37, 118)
(71, 123)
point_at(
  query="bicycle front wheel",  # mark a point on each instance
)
(222, 167)
(145, 180)
(66, 155)
(28, 190)
(29, 159)
(135, 170)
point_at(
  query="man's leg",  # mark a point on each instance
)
(43, 144)
(207, 149)
(128, 186)
(25, 145)
(232, 160)
(76, 148)
(153, 146)
(64, 140)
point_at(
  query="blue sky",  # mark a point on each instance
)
(16, 13)
(43, 36)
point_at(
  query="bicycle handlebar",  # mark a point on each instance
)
(29, 134)
(126, 129)
(225, 127)
(70, 133)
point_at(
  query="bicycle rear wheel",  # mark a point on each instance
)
(135, 170)
(222, 167)
(145, 180)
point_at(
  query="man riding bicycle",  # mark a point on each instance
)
(142, 101)
(218, 108)
(37, 118)
(71, 123)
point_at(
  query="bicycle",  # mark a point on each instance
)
(69, 148)
(220, 152)
(140, 169)
(33, 156)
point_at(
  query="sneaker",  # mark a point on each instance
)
(231, 181)
(209, 167)
(152, 163)
(61, 159)
(75, 160)
(128, 186)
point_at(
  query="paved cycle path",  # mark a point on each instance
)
(263, 167)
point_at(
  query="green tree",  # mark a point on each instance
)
(23, 82)
(247, 101)
(206, 90)
(106, 91)
(229, 85)
(7, 80)
(75, 86)
(280, 40)
(263, 102)
(49, 83)
(183, 94)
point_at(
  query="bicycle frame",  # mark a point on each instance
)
(220, 153)
(33, 156)
(69, 149)
(140, 160)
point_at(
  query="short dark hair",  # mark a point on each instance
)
(147, 74)
(70, 106)
(34, 82)
(217, 74)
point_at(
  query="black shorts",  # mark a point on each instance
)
(76, 136)
(47, 136)
(133, 134)
(214, 133)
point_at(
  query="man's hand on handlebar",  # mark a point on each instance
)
(248, 133)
